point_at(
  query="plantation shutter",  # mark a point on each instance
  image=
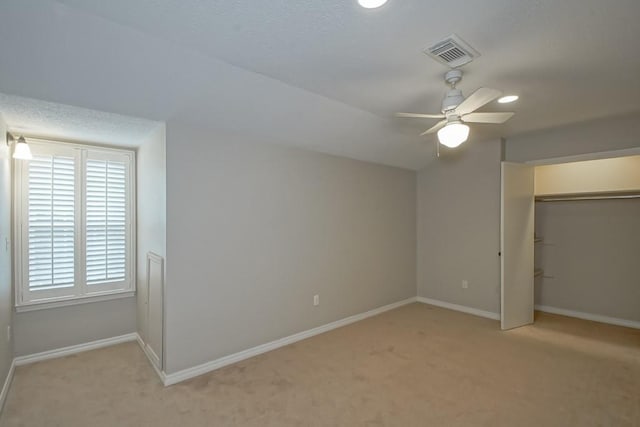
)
(51, 222)
(106, 221)
(74, 213)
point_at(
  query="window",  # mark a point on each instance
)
(74, 223)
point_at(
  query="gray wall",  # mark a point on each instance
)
(151, 212)
(459, 227)
(591, 249)
(49, 329)
(615, 133)
(255, 230)
(6, 301)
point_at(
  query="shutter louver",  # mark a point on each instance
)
(51, 222)
(106, 214)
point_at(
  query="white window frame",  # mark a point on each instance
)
(25, 299)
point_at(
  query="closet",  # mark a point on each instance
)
(570, 240)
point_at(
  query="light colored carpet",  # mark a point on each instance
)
(414, 366)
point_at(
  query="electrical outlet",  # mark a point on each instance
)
(465, 284)
(316, 300)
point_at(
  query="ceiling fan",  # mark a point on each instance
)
(458, 110)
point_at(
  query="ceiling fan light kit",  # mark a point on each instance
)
(371, 4)
(453, 134)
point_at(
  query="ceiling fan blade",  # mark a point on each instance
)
(420, 116)
(487, 117)
(477, 99)
(435, 128)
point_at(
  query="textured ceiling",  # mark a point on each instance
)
(325, 75)
(46, 119)
(570, 60)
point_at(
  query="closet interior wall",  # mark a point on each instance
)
(588, 253)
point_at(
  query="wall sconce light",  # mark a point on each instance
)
(22, 150)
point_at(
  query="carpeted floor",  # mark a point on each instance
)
(414, 366)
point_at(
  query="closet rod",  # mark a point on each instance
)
(577, 197)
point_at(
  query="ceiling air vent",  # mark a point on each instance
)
(452, 52)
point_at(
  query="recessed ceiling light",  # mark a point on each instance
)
(507, 99)
(371, 4)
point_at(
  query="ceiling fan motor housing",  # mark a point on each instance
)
(452, 99)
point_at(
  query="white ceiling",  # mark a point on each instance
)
(325, 75)
(51, 120)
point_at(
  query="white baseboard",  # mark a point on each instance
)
(153, 358)
(195, 371)
(7, 384)
(65, 351)
(457, 307)
(588, 316)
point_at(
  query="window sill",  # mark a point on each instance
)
(43, 305)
